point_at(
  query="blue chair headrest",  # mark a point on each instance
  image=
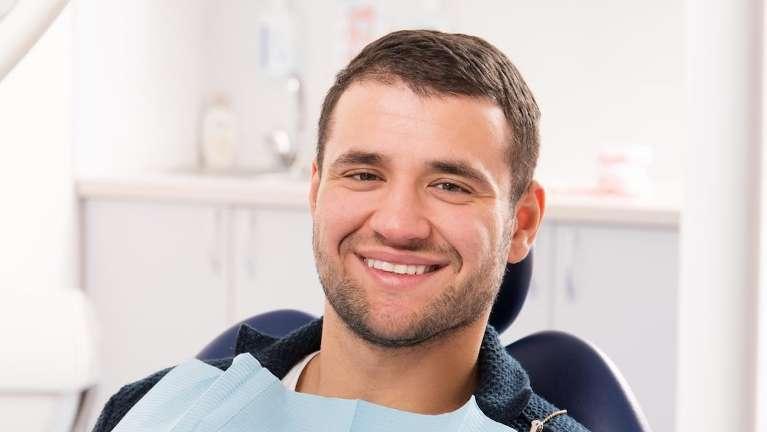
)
(512, 294)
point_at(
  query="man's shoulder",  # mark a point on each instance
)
(276, 355)
(128, 395)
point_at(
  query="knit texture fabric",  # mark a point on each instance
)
(503, 392)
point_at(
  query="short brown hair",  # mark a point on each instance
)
(435, 63)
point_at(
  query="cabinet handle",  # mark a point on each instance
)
(570, 277)
(570, 285)
(533, 293)
(251, 267)
(218, 242)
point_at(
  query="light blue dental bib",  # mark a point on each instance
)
(195, 396)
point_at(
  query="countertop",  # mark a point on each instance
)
(282, 190)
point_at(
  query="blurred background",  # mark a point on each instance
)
(155, 176)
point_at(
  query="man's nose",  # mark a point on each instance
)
(399, 218)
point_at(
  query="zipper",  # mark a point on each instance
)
(537, 425)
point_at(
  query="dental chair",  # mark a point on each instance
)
(563, 369)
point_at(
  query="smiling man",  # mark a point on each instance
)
(421, 192)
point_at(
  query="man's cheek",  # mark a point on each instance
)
(474, 244)
(335, 225)
(465, 231)
(339, 200)
(349, 213)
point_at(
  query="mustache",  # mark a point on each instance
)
(355, 239)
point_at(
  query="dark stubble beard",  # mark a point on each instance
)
(455, 308)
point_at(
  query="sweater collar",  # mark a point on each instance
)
(502, 392)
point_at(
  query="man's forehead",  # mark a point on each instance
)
(397, 102)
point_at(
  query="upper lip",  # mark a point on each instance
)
(402, 258)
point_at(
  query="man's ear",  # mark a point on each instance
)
(314, 187)
(528, 214)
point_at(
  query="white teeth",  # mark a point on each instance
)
(396, 268)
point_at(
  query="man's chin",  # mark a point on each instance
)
(389, 339)
(391, 333)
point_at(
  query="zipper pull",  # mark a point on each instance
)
(537, 425)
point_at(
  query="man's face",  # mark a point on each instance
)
(412, 219)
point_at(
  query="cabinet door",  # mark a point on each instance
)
(274, 263)
(617, 287)
(156, 274)
(535, 315)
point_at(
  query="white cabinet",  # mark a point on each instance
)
(157, 276)
(273, 262)
(168, 278)
(618, 289)
(615, 286)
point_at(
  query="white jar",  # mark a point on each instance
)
(219, 135)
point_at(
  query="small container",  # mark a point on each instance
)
(219, 134)
(277, 39)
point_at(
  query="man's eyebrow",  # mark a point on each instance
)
(356, 157)
(459, 168)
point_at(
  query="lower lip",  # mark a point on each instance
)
(395, 280)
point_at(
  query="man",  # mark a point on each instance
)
(421, 192)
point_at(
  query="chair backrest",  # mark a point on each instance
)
(574, 374)
(563, 369)
(277, 323)
(512, 294)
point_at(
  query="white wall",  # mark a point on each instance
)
(37, 203)
(761, 331)
(605, 73)
(138, 82)
(719, 263)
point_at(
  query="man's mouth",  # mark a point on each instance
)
(399, 268)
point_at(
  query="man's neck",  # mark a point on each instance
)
(433, 378)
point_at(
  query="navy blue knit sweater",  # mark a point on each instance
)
(503, 392)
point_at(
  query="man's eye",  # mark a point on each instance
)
(364, 176)
(452, 187)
